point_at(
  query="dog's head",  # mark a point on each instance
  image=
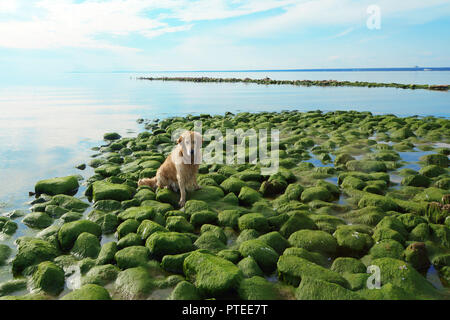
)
(191, 145)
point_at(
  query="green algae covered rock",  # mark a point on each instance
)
(229, 218)
(263, 254)
(233, 185)
(12, 286)
(102, 190)
(5, 252)
(416, 255)
(381, 202)
(193, 206)
(88, 292)
(250, 267)
(48, 278)
(296, 222)
(200, 218)
(210, 241)
(134, 283)
(148, 227)
(167, 196)
(86, 246)
(206, 193)
(436, 159)
(7, 226)
(212, 275)
(313, 257)
(257, 288)
(416, 180)
(138, 213)
(316, 289)
(132, 257)
(293, 269)
(316, 193)
(275, 240)
(351, 241)
(387, 248)
(106, 254)
(253, 221)
(126, 227)
(185, 291)
(68, 203)
(314, 240)
(54, 186)
(366, 166)
(248, 196)
(348, 265)
(100, 275)
(401, 274)
(33, 252)
(163, 243)
(131, 239)
(174, 263)
(69, 232)
(37, 220)
(179, 224)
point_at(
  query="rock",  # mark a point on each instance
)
(100, 275)
(348, 265)
(102, 190)
(381, 202)
(210, 241)
(314, 240)
(316, 289)
(168, 196)
(148, 227)
(410, 221)
(107, 205)
(86, 246)
(88, 292)
(420, 233)
(174, 263)
(253, 221)
(342, 159)
(416, 180)
(37, 220)
(257, 288)
(48, 278)
(250, 267)
(432, 171)
(275, 240)
(233, 185)
(126, 227)
(144, 194)
(387, 248)
(132, 257)
(366, 166)
(32, 253)
(293, 192)
(248, 196)
(71, 216)
(208, 194)
(110, 136)
(107, 252)
(69, 203)
(185, 291)
(179, 224)
(134, 283)
(7, 226)
(230, 255)
(416, 255)
(229, 218)
(63, 185)
(5, 252)
(140, 214)
(316, 193)
(351, 241)
(131, 239)
(193, 206)
(436, 159)
(212, 275)
(296, 222)
(12, 286)
(69, 232)
(203, 217)
(293, 270)
(163, 243)
(353, 183)
(263, 254)
(313, 257)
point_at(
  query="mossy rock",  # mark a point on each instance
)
(353, 183)
(250, 267)
(416, 180)
(233, 185)
(86, 246)
(148, 227)
(313, 257)
(316, 289)
(366, 166)
(209, 241)
(388, 233)
(212, 275)
(48, 278)
(230, 255)
(381, 202)
(69, 203)
(436, 159)
(387, 248)
(293, 269)
(432, 171)
(293, 192)
(131, 239)
(276, 241)
(159, 207)
(131, 257)
(257, 288)
(316, 193)
(69, 232)
(102, 190)
(185, 290)
(167, 196)
(174, 263)
(179, 224)
(88, 292)
(138, 213)
(193, 206)
(144, 194)
(416, 255)
(126, 227)
(106, 254)
(163, 243)
(263, 254)
(32, 253)
(72, 216)
(314, 240)
(253, 221)
(249, 196)
(37, 220)
(421, 233)
(410, 221)
(296, 222)
(12, 286)
(348, 265)
(203, 217)
(100, 275)
(134, 283)
(351, 241)
(229, 218)
(64, 185)
(5, 252)
(208, 194)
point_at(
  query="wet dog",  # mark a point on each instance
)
(179, 170)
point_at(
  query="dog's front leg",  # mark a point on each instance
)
(182, 192)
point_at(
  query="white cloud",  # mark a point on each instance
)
(8, 6)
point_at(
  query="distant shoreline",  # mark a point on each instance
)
(307, 83)
(419, 69)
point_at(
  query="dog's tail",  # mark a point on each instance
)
(151, 182)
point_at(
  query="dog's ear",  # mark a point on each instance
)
(180, 139)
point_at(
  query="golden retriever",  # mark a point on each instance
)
(179, 170)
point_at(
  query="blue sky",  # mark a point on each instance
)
(107, 35)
